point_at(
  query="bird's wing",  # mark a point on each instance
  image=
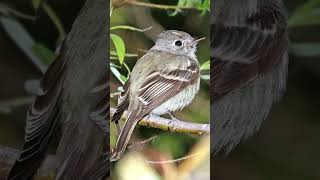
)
(239, 52)
(159, 86)
(123, 102)
(248, 69)
(74, 97)
(84, 143)
(85, 136)
(43, 119)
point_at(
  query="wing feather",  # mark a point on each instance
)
(161, 86)
(239, 53)
(123, 102)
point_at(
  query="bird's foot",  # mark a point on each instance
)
(172, 116)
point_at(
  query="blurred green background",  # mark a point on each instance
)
(29, 35)
(166, 145)
(288, 144)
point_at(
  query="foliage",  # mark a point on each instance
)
(307, 14)
(38, 53)
(119, 43)
(202, 5)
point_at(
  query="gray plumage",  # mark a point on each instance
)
(164, 80)
(73, 104)
(248, 67)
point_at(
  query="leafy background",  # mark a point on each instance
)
(129, 40)
(287, 145)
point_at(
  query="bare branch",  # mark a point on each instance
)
(158, 6)
(7, 106)
(175, 125)
(119, 3)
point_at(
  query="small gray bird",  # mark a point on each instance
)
(164, 80)
(249, 63)
(72, 106)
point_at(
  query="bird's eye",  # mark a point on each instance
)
(178, 43)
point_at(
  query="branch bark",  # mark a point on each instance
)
(176, 125)
(119, 3)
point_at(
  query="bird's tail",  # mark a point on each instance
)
(125, 134)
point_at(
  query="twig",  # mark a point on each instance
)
(139, 144)
(8, 10)
(176, 125)
(173, 160)
(158, 6)
(116, 94)
(119, 3)
(7, 106)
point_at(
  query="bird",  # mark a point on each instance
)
(72, 105)
(249, 64)
(164, 80)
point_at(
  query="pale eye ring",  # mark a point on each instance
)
(178, 43)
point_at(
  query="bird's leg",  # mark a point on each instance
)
(171, 116)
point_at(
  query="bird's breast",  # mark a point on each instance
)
(179, 101)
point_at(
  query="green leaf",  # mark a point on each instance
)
(128, 69)
(306, 14)
(205, 66)
(114, 58)
(114, 53)
(124, 78)
(23, 40)
(36, 4)
(46, 55)
(205, 77)
(130, 28)
(55, 20)
(8, 11)
(111, 9)
(180, 4)
(114, 65)
(117, 74)
(305, 49)
(120, 46)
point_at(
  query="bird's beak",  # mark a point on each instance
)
(196, 41)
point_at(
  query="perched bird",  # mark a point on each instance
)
(249, 62)
(164, 80)
(72, 105)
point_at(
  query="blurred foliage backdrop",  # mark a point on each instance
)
(287, 146)
(30, 33)
(133, 31)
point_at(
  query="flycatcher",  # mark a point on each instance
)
(164, 80)
(249, 64)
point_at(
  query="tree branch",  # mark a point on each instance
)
(158, 6)
(176, 125)
(119, 3)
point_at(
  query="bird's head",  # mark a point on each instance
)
(177, 42)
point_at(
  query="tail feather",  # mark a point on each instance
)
(125, 134)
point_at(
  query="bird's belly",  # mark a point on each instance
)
(179, 101)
